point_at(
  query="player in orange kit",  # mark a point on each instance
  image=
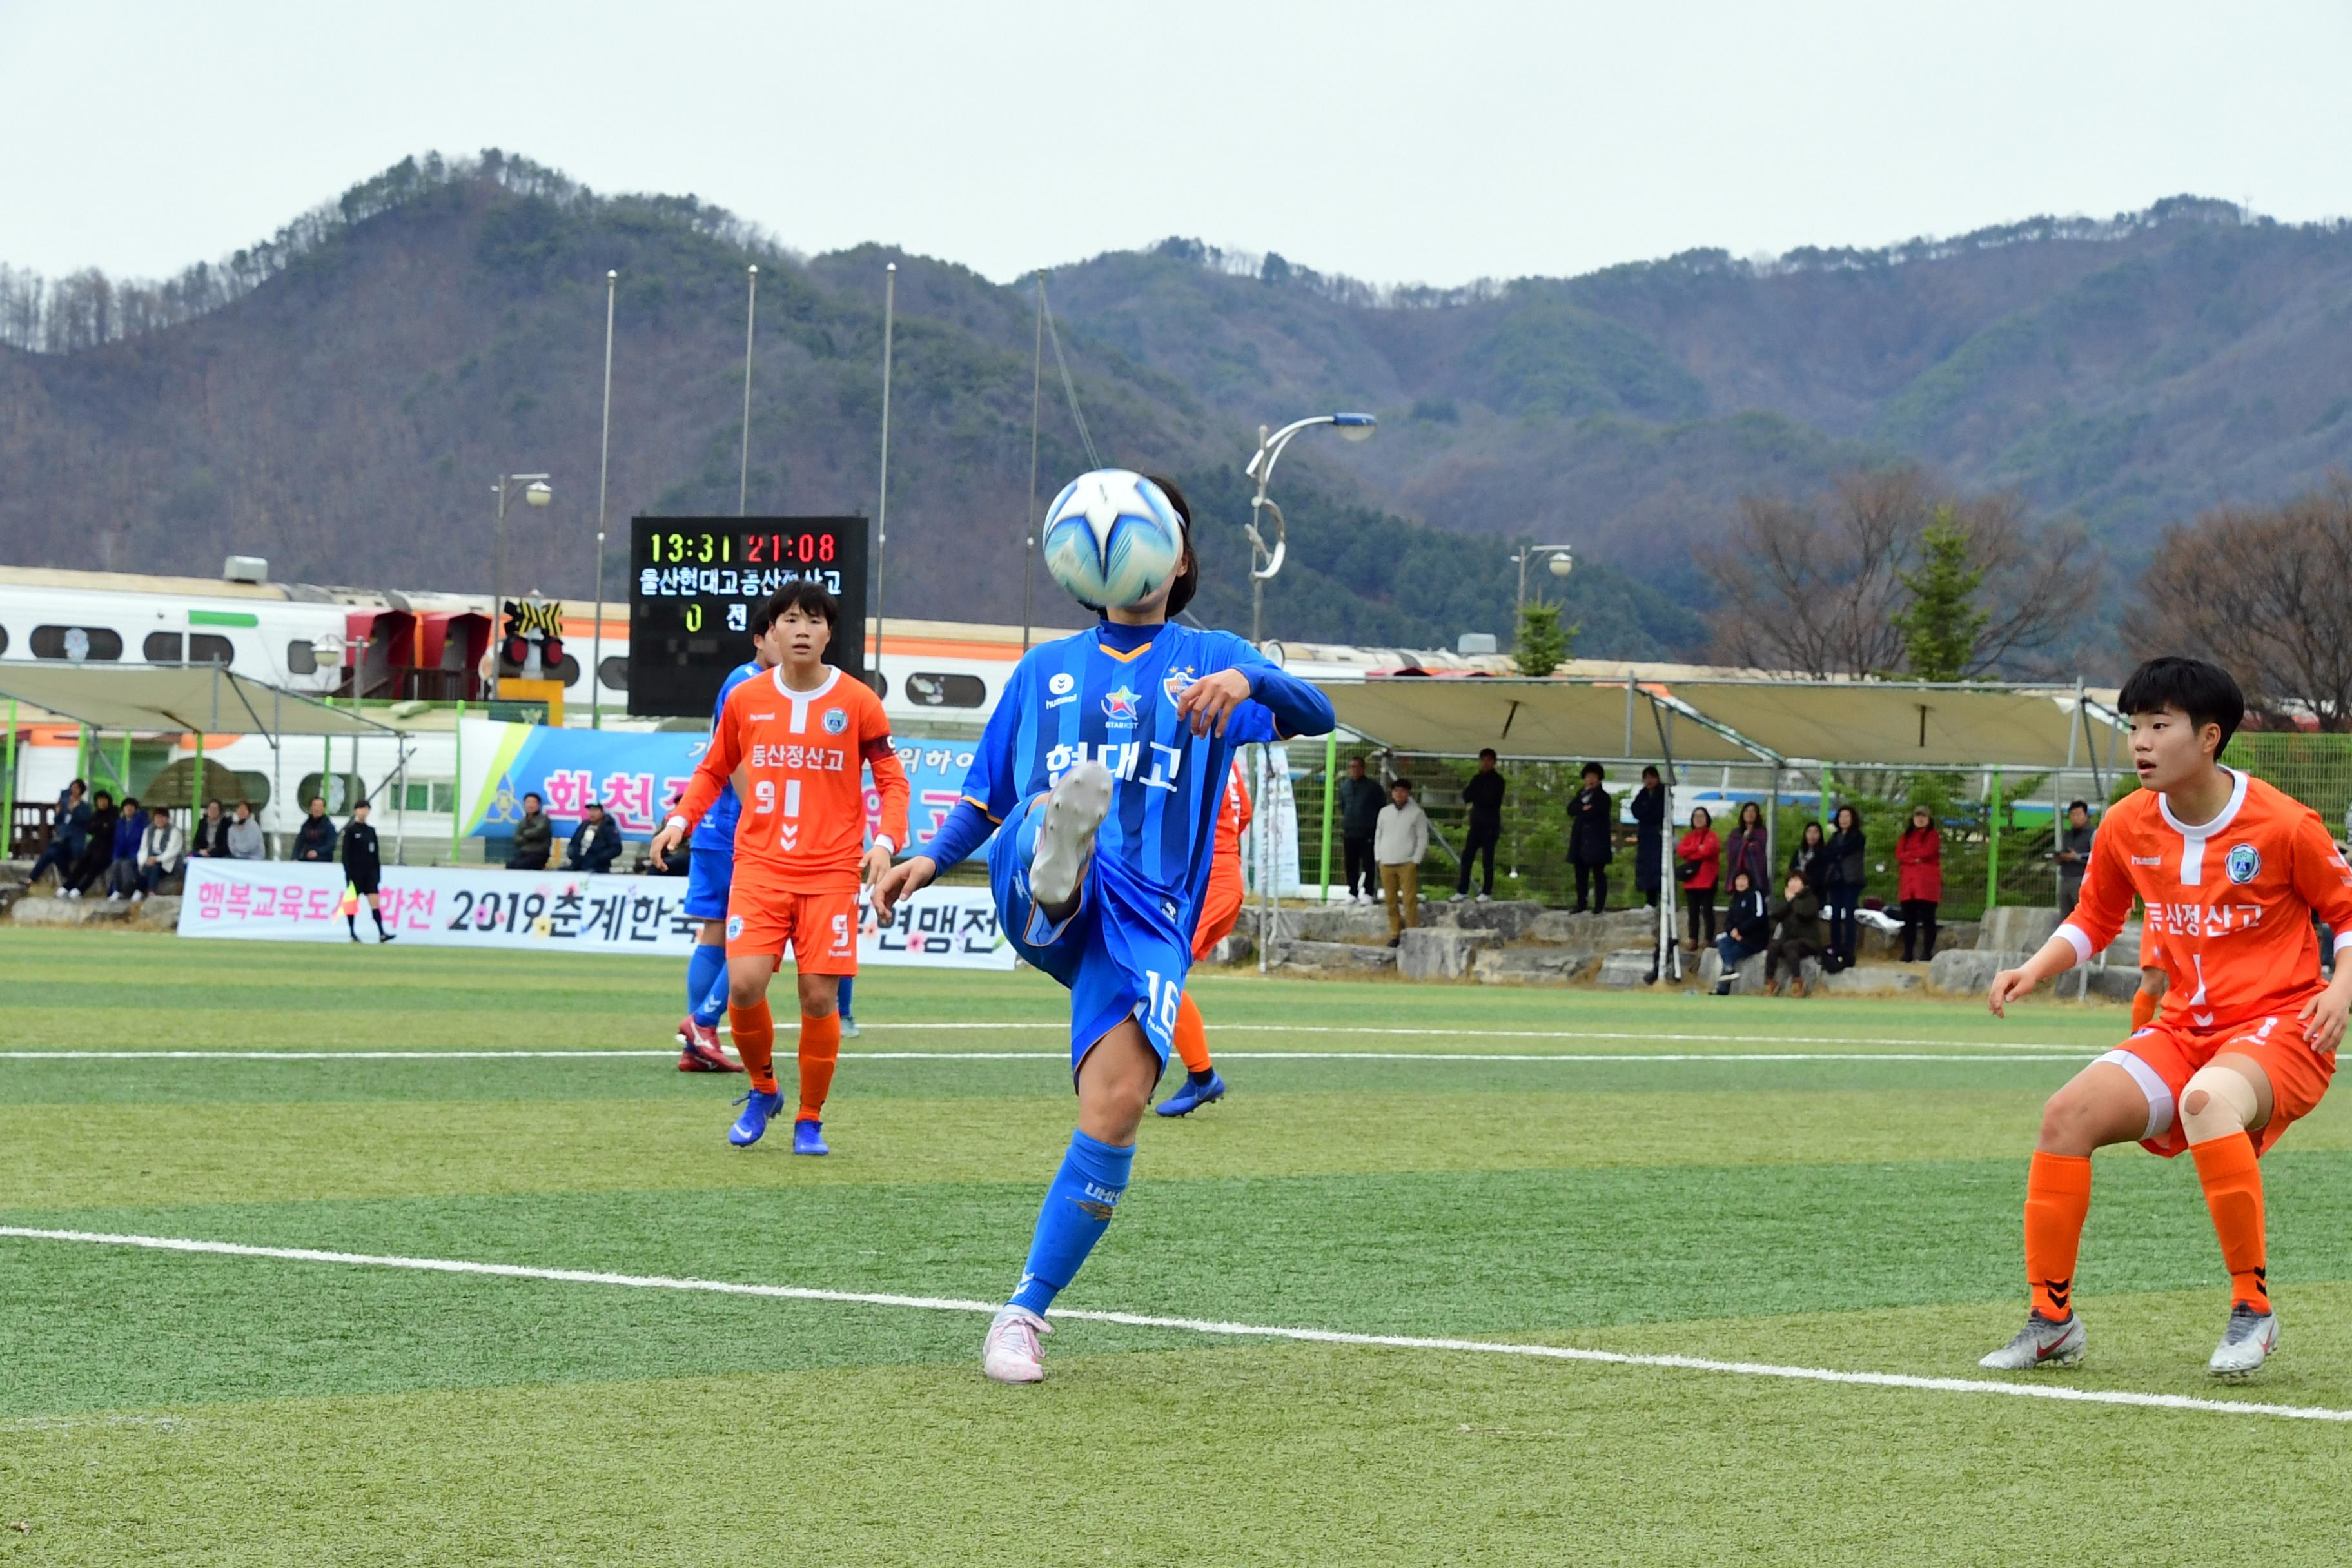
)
(796, 742)
(1221, 905)
(2231, 872)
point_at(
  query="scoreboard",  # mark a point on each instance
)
(694, 582)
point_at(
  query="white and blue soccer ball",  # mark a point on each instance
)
(1113, 539)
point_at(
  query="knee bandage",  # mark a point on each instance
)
(2219, 1101)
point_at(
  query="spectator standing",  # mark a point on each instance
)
(2075, 835)
(69, 834)
(246, 839)
(595, 843)
(1919, 883)
(129, 832)
(1796, 936)
(1361, 801)
(212, 834)
(315, 840)
(161, 850)
(363, 871)
(534, 836)
(1747, 928)
(1483, 795)
(98, 849)
(1749, 847)
(1591, 832)
(1842, 880)
(1649, 810)
(1698, 856)
(1809, 859)
(1400, 838)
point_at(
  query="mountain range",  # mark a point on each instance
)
(342, 398)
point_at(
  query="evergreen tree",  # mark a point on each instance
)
(1542, 643)
(1942, 623)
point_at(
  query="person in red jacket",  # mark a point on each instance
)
(1699, 855)
(1919, 883)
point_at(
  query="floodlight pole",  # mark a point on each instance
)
(751, 321)
(1265, 560)
(882, 496)
(1539, 552)
(497, 576)
(604, 469)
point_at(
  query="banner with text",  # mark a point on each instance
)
(445, 906)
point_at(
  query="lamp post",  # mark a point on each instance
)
(535, 493)
(1266, 559)
(604, 468)
(1561, 561)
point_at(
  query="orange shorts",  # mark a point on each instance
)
(1221, 906)
(822, 928)
(2160, 1060)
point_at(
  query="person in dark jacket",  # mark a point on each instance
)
(1842, 880)
(1797, 936)
(1483, 795)
(98, 850)
(129, 832)
(534, 837)
(1649, 812)
(69, 834)
(364, 870)
(1809, 859)
(315, 839)
(1591, 829)
(2076, 837)
(1749, 847)
(1361, 799)
(212, 834)
(1747, 928)
(595, 843)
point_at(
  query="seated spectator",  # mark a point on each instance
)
(534, 836)
(212, 834)
(160, 852)
(595, 843)
(69, 834)
(1797, 936)
(315, 840)
(122, 870)
(1747, 928)
(98, 852)
(246, 839)
(1698, 856)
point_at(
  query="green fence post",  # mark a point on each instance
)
(1822, 809)
(9, 789)
(122, 774)
(457, 783)
(1330, 782)
(1993, 846)
(196, 789)
(81, 752)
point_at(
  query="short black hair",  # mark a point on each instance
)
(1485, 751)
(1649, 770)
(807, 596)
(1593, 771)
(1188, 573)
(1404, 784)
(2205, 692)
(2078, 805)
(131, 800)
(534, 795)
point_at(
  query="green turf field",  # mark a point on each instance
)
(1828, 1184)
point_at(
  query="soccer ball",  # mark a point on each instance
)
(1112, 539)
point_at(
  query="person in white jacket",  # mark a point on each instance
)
(1399, 841)
(160, 852)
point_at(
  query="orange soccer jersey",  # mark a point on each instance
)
(2229, 901)
(800, 757)
(1220, 904)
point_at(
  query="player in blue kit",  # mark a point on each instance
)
(1104, 766)
(709, 873)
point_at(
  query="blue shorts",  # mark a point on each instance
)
(709, 873)
(1123, 953)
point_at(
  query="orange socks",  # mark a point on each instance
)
(1192, 1035)
(2143, 1010)
(2057, 1198)
(820, 1049)
(2233, 1179)
(754, 1029)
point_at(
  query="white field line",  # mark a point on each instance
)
(2058, 1391)
(1960, 1053)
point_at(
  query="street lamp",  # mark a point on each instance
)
(535, 493)
(1561, 561)
(1266, 559)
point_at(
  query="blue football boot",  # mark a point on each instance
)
(808, 1137)
(756, 1107)
(1192, 1096)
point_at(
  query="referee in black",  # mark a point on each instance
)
(364, 870)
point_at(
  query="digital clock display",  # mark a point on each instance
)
(694, 582)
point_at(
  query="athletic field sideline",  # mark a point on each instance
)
(409, 1256)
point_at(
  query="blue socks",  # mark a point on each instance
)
(842, 995)
(706, 983)
(1077, 1210)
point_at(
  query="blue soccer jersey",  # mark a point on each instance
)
(715, 831)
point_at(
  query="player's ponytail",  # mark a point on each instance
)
(1188, 575)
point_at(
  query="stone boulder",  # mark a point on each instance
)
(1595, 933)
(1436, 952)
(1872, 980)
(1334, 960)
(1969, 971)
(1334, 921)
(1624, 968)
(1509, 919)
(77, 911)
(1888, 944)
(1534, 966)
(1236, 948)
(2016, 928)
(1749, 979)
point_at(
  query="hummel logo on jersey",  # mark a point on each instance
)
(760, 717)
(2148, 859)
(1062, 682)
(1118, 706)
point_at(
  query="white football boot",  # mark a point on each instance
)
(2245, 1344)
(1011, 1353)
(2040, 1343)
(1066, 839)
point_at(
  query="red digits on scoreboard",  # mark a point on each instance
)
(752, 549)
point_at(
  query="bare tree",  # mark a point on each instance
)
(2261, 594)
(1815, 585)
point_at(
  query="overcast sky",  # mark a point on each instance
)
(1395, 141)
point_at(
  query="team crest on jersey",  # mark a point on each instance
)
(1118, 706)
(837, 719)
(2244, 863)
(1176, 680)
(734, 927)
